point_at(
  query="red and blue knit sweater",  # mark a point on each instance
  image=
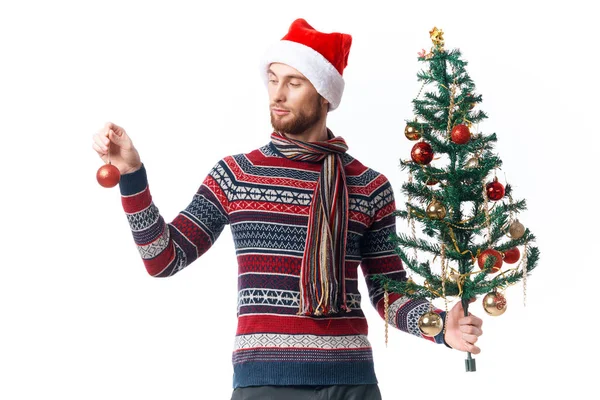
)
(265, 198)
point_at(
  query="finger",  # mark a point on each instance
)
(115, 128)
(102, 155)
(121, 140)
(472, 348)
(109, 125)
(98, 149)
(472, 339)
(117, 139)
(102, 142)
(471, 330)
(471, 320)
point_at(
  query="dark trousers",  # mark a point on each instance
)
(335, 392)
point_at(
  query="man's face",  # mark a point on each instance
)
(294, 103)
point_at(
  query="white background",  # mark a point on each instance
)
(79, 316)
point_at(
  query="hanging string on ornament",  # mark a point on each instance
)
(422, 86)
(410, 219)
(511, 204)
(487, 213)
(444, 277)
(451, 107)
(524, 261)
(386, 306)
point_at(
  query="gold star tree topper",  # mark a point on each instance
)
(437, 37)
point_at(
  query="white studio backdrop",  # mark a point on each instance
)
(79, 316)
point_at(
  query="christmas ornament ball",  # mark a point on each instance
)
(472, 162)
(470, 99)
(490, 253)
(494, 304)
(430, 324)
(460, 134)
(511, 256)
(108, 175)
(412, 133)
(494, 190)
(436, 210)
(410, 283)
(422, 153)
(516, 230)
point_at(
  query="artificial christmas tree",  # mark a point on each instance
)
(467, 216)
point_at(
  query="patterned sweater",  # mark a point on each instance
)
(265, 198)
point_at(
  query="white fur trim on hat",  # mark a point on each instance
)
(328, 82)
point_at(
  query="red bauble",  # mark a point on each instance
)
(495, 190)
(460, 134)
(511, 256)
(490, 253)
(108, 175)
(422, 153)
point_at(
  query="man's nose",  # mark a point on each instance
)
(279, 93)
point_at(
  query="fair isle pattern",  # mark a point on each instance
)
(143, 219)
(283, 298)
(393, 309)
(320, 357)
(153, 249)
(265, 198)
(410, 318)
(300, 341)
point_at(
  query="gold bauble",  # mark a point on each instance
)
(436, 210)
(472, 163)
(410, 282)
(494, 304)
(516, 230)
(430, 324)
(412, 132)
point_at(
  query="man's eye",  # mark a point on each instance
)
(295, 84)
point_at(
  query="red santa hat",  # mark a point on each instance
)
(320, 57)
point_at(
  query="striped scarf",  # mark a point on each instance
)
(322, 275)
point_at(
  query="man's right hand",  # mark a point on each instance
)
(123, 154)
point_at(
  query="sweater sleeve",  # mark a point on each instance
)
(379, 257)
(167, 248)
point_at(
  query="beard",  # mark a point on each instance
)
(297, 122)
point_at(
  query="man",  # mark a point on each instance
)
(304, 215)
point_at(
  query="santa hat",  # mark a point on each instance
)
(320, 57)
